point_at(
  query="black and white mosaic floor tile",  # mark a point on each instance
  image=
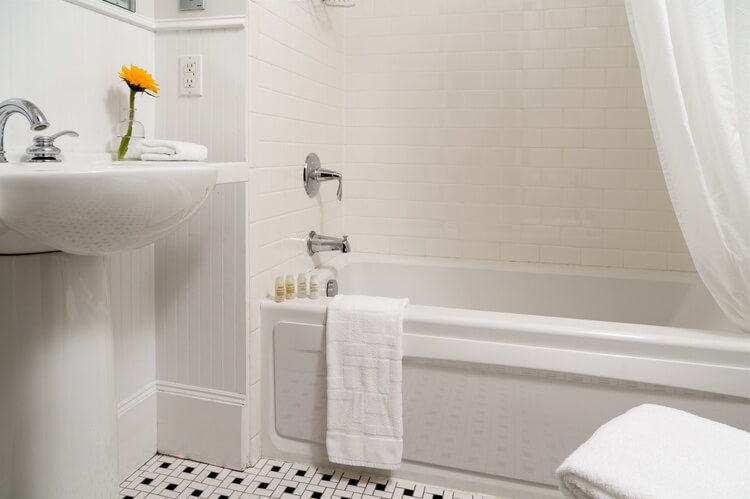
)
(171, 477)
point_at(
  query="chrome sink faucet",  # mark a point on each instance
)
(317, 243)
(36, 118)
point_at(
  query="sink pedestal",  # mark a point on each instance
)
(58, 410)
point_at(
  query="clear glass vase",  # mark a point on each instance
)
(128, 135)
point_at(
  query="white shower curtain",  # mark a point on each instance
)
(695, 65)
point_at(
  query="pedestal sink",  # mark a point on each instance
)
(58, 428)
(96, 208)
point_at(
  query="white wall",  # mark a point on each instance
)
(503, 130)
(201, 326)
(201, 279)
(131, 294)
(199, 343)
(218, 118)
(296, 107)
(65, 59)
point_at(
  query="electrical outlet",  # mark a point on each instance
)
(191, 75)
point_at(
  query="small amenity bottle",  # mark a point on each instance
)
(290, 287)
(314, 293)
(279, 290)
(301, 285)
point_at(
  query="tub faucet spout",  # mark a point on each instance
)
(317, 243)
(36, 118)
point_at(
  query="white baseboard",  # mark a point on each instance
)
(181, 420)
(136, 428)
(203, 424)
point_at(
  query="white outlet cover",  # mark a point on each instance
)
(190, 76)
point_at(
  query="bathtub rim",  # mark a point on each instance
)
(714, 361)
(689, 359)
(327, 271)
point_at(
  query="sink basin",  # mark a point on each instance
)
(96, 208)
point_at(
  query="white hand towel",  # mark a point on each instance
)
(363, 354)
(657, 452)
(171, 150)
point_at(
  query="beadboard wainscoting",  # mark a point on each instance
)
(180, 321)
(200, 296)
(131, 291)
(201, 330)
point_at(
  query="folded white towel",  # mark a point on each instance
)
(171, 150)
(363, 354)
(657, 452)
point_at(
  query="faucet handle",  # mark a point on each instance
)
(60, 134)
(313, 175)
(322, 175)
(43, 148)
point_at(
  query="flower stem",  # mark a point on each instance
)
(125, 141)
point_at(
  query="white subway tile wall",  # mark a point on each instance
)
(296, 107)
(502, 130)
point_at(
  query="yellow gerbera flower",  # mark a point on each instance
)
(138, 79)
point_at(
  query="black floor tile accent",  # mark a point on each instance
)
(178, 477)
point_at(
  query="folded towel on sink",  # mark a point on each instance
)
(363, 356)
(171, 150)
(653, 451)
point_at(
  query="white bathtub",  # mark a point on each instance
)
(509, 367)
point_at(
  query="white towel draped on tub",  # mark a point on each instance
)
(363, 354)
(171, 150)
(656, 452)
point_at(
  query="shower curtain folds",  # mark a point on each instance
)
(695, 66)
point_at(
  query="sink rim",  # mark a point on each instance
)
(98, 166)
